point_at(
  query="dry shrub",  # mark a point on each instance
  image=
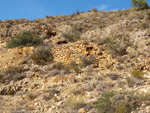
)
(42, 55)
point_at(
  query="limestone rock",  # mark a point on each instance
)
(82, 110)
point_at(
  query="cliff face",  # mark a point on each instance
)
(83, 58)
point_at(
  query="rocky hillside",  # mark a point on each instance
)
(93, 62)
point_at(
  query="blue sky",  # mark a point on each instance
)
(33, 9)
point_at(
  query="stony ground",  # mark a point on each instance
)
(106, 55)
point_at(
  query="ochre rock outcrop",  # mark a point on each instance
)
(13, 56)
(75, 51)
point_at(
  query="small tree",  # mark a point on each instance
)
(140, 4)
(94, 10)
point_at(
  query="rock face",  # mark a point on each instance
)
(75, 51)
(13, 56)
(80, 87)
(144, 64)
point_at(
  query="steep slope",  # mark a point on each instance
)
(88, 63)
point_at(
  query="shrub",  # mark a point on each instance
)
(144, 25)
(67, 68)
(113, 76)
(104, 103)
(140, 4)
(25, 39)
(101, 25)
(148, 15)
(14, 69)
(14, 73)
(47, 16)
(42, 55)
(132, 81)
(129, 81)
(54, 72)
(94, 10)
(2, 78)
(121, 108)
(117, 45)
(74, 34)
(77, 12)
(31, 96)
(76, 101)
(144, 96)
(117, 102)
(58, 65)
(87, 61)
(74, 66)
(137, 74)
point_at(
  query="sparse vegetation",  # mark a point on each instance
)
(76, 102)
(144, 25)
(94, 10)
(129, 81)
(117, 45)
(13, 73)
(31, 96)
(54, 72)
(42, 55)
(74, 34)
(132, 81)
(14, 69)
(25, 39)
(109, 45)
(104, 103)
(74, 66)
(58, 65)
(67, 68)
(109, 102)
(87, 61)
(137, 74)
(2, 78)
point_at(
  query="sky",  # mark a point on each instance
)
(33, 9)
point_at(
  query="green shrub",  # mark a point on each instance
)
(137, 74)
(117, 102)
(121, 108)
(129, 81)
(67, 68)
(140, 4)
(2, 78)
(42, 55)
(25, 39)
(31, 96)
(104, 103)
(74, 66)
(58, 65)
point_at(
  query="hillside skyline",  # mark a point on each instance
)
(33, 9)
